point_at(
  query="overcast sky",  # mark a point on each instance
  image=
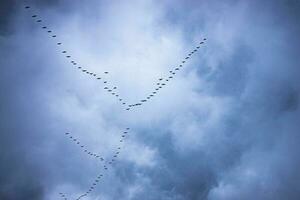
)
(225, 128)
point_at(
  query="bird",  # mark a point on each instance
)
(54, 36)
(27, 7)
(64, 51)
(106, 72)
(39, 21)
(44, 27)
(33, 16)
(59, 43)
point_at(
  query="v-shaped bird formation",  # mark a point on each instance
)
(113, 90)
(107, 162)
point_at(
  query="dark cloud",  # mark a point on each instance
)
(234, 135)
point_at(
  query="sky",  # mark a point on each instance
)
(225, 128)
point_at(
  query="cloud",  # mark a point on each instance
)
(224, 128)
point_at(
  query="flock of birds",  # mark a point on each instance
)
(161, 82)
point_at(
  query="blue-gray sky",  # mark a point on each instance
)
(226, 128)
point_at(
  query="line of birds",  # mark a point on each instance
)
(162, 82)
(110, 89)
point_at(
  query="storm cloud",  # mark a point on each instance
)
(227, 127)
